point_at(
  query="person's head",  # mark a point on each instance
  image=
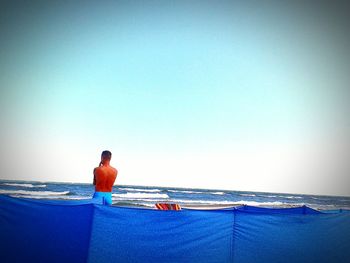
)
(106, 156)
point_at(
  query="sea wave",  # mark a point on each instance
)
(25, 185)
(185, 191)
(232, 203)
(203, 202)
(321, 198)
(140, 196)
(217, 193)
(291, 197)
(251, 195)
(254, 203)
(65, 197)
(344, 200)
(32, 193)
(140, 190)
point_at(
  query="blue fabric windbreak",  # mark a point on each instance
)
(48, 231)
(289, 237)
(81, 231)
(143, 235)
(292, 210)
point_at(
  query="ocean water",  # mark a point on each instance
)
(191, 198)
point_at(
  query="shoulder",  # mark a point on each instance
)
(115, 170)
(96, 169)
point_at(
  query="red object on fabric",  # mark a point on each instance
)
(163, 206)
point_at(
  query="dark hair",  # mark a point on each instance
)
(106, 155)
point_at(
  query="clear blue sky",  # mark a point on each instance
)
(208, 94)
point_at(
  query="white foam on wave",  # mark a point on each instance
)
(25, 185)
(204, 202)
(52, 197)
(252, 195)
(218, 193)
(290, 197)
(185, 191)
(231, 203)
(32, 193)
(140, 196)
(254, 203)
(140, 190)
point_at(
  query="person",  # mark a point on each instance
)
(104, 178)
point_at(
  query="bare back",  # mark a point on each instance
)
(104, 178)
